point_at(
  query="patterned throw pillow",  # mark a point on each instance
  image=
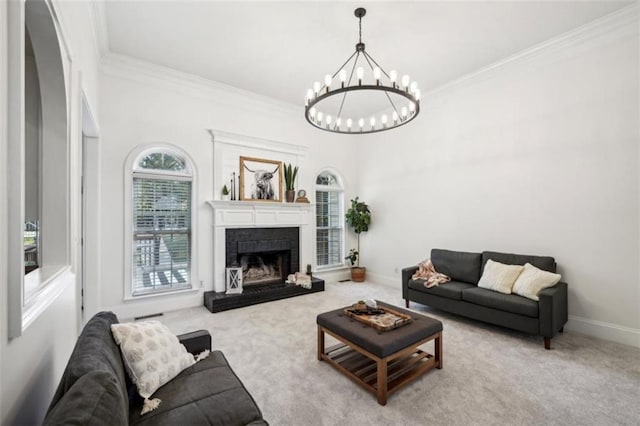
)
(532, 280)
(152, 354)
(499, 277)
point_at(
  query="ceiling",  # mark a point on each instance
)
(279, 49)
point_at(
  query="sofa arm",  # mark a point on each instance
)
(553, 309)
(196, 341)
(406, 276)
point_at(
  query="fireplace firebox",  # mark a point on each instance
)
(266, 255)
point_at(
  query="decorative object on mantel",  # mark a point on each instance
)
(233, 187)
(302, 197)
(234, 280)
(260, 179)
(290, 174)
(225, 193)
(403, 96)
(358, 217)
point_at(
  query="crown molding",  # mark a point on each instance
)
(609, 27)
(145, 72)
(99, 25)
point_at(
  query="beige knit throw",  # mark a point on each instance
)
(428, 273)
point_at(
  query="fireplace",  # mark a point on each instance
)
(266, 255)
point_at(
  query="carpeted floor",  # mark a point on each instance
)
(491, 375)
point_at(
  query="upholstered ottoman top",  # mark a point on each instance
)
(380, 343)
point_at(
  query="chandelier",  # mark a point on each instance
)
(391, 102)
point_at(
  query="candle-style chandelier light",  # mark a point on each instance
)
(325, 104)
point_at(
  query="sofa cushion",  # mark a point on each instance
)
(94, 399)
(532, 280)
(458, 265)
(503, 302)
(95, 351)
(450, 290)
(546, 263)
(207, 393)
(499, 277)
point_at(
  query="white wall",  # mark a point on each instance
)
(32, 364)
(538, 155)
(141, 104)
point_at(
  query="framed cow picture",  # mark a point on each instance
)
(260, 180)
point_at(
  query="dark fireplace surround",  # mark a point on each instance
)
(273, 249)
(266, 255)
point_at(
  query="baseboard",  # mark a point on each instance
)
(395, 282)
(604, 330)
(129, 310)
(333, 276)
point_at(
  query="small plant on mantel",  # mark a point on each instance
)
(290, 174)
(225, 192)
(358, 217)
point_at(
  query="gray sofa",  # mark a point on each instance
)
(95, 389)
(462, 296)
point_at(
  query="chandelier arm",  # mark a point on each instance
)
(367, 57)
(344, 97)
(391, 102)
(377, 64)
(345, 63)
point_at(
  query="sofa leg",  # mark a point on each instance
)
(406, 303)
(547, 342)
(561, 330)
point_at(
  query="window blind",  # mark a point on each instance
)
(329, 228)
(161, 235)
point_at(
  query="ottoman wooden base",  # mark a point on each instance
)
(380, 375)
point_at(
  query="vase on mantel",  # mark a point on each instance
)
(290, 195)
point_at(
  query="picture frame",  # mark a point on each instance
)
(260, 180)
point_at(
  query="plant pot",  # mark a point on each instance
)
(358, 274)
(290, 195)
(225, 197)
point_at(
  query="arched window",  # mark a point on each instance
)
(161, 222)
(329, 220)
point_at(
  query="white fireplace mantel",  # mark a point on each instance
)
(243, 214)
(256, 214)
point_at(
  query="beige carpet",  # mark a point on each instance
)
(491, 375)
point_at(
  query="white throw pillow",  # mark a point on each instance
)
(499, 277)
(152, 354)
(532, 280)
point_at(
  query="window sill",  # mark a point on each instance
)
(56, 281)
(332, 268)
(160, 294)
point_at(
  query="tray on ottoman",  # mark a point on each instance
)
(380, 361)
(383, 319)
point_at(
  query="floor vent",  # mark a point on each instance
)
(159, 314)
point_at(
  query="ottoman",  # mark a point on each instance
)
(380, 361)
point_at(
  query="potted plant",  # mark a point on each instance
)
(358, 217)
(290, 174)
(225, 193)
